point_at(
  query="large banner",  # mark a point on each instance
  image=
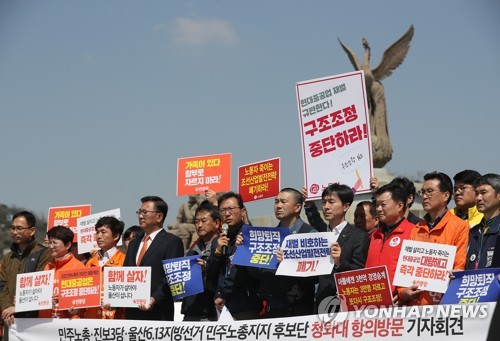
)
(306, 254)
(67, 216)
(86, 230)
(259, 246)
(460, 322)
(334, 124)
(260, 180)
(184, 276)
(197, 174)
(473, 286)
(364, 287)
(425, 265)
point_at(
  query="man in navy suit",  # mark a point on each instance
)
(351, 247)
(155, 246)
(287, 295)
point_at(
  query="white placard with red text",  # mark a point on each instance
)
(34, 291)
(335, 131)
(425, 265)
(306, 254)
(127, 286)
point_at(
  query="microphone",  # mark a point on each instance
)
(225, 228)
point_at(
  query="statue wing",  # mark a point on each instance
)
(352, 56)
(394, 56)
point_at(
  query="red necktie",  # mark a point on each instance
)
(143, 250)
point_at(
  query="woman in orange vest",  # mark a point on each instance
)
(60, 241)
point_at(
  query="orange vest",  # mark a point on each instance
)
(450, 230)
(66, 264)
(101, 312)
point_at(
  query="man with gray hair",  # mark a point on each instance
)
(484, 238)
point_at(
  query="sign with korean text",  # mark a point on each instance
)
(359, 289)
(197, 174)
(183, 276)
(127, 286)
(86, 230)
(259, 246)
(473, 286)
(334, 125)
(67, 216)
(306, 254)
(79, 288)
(425, 265)
(260, 180)
(34, 291)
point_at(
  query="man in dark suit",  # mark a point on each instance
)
(349, 251)
(155, 246)
(286, 295)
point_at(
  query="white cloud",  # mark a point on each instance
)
(202, 32)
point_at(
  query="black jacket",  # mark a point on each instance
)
(237, 285)
(282, 292)
(354, 243)
(164, 246)
(314, 218)
(202, 304)
(484, 250)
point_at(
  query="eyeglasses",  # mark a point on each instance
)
(19, 228)
(144, 212)
(427, 192)
(461, 189)
(229, 209)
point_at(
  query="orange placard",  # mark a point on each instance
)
(197, 174)
(259, 180)
(79, 288)
(67, 216)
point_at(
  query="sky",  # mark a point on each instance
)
(98, 99)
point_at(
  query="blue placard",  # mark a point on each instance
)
(259, 246)
(473, 286)
(183, 276)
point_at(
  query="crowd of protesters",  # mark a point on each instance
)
(374, 239)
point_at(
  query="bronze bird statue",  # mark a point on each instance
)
(392, 58)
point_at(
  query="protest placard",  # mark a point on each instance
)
(359, 289)
(34, 291)
(259, 246)
(127, 286)
(67, 216)
(334, 124)
(197, 174)
(306, 254)
(473, 286)
(425, 265)
(79, 288)
(183, 276)
(86, 230)
(260, 180)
